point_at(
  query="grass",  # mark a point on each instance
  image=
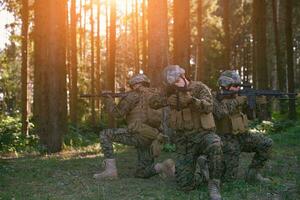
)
(68, 175)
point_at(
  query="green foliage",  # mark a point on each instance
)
(269, 127)
(11, 138)
(81, 136)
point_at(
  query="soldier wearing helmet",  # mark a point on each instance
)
(143, 132)
(191, 117)
(232, 127)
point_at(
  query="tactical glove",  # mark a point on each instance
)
(241, 100)
(261, 100)
(184, 100)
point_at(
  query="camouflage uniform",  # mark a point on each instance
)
(134, 107)
(194, 126)
(232, 127)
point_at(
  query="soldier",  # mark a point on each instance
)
(192, 120)
(232, 126)
(142, 132)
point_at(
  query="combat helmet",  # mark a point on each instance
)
(228, 78)
(171, 74)
(139, 78)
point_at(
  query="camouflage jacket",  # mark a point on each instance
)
(135, 107)
(228, 115)
(193, 116)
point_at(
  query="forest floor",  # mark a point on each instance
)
(68, 175)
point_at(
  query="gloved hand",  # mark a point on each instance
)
(108, 100)
(261, 100)
(184, 99)
(172, 100)
(241, 100)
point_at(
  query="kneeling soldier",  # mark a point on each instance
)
(142, 132)
(232, 127)
(192, 120)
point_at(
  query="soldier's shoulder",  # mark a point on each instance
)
(198, 85)
(132, 95)
(153, 90)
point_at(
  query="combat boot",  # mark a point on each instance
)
(214, 189)
(166, 168)
(253, 175)
(110, 170)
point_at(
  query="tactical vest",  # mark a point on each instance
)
(142, 111)
(235, 123)
(188, 119)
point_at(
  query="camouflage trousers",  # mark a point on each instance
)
(233, 145)
(145, 161)
(189, 146)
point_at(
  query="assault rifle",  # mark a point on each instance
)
(251, 95)
(120, 94)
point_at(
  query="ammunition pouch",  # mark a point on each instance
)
(154, 117)
(233, 124)
(188, 120)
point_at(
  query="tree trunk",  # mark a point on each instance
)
(50, 99)
(80, 30)
(290, 59)
(98, 57)
(279, 54)
(112, 52)
(200, 75)
(137, 36)
(158, 39)
(83, 32)
(92, 100)
(227, 41)
(106, 44)
(260, 44)
(24, 70)
(73, 46)
(182, 34)
(144, 38)
(260, 55)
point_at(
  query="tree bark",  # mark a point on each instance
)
(24, 70)
(92, 100)
(98, 57)
(50, 98)
(260, 54)
(260, 44)
(73, 46)
(144, 39)
(182, 34)
(200, 75)
(279, 54)
(112, 52)
(137, 36)
(158, 39)
(227, 41)
(290, 59)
